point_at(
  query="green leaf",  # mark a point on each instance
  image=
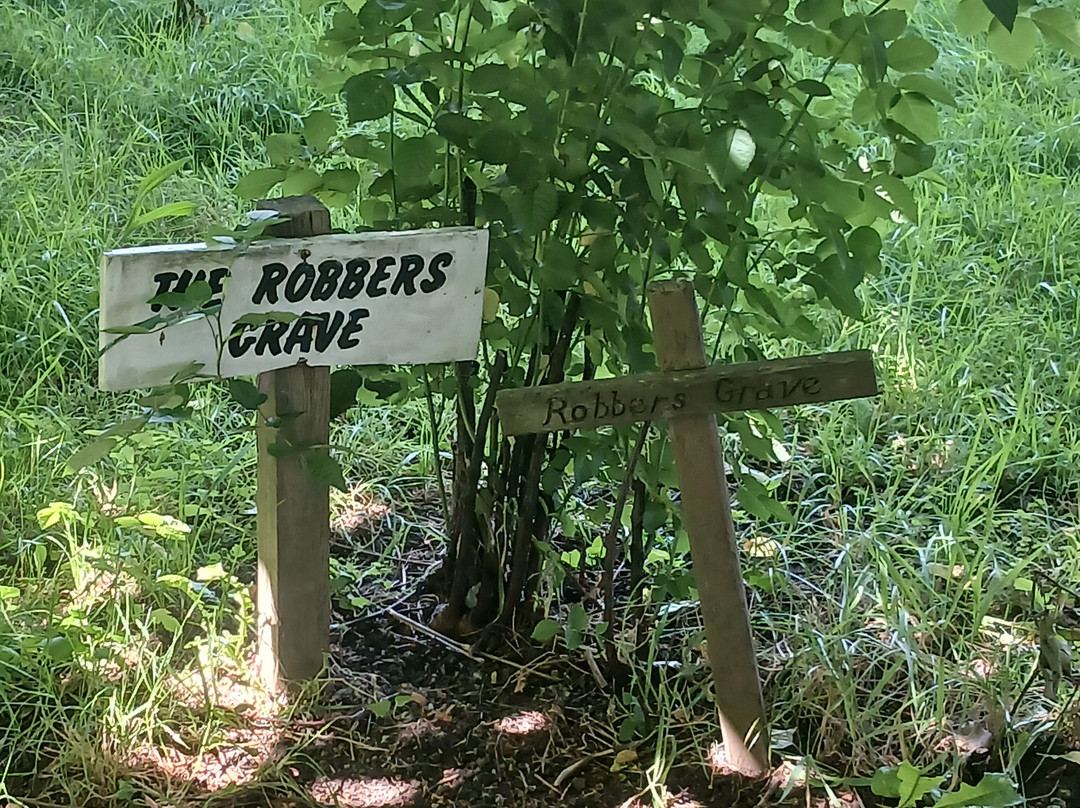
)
(573, 639)
(414, 160)
(865, 246)
(917, 116)
(197, 294)
(381, 709)
(813, 88)
(246, 394)
(319, 129)
(158, 176)
(911, 54)
(278, 448)
(258, 319)
(341, 180)
(126, 791)
(1016, 48)
(246, 33)
(344, 385)
(175, 581)
(368, 97)
(913, 158)
(672, 53)
(545, 630)
(1004, 10)
(914, 785)
(172, 300)
(165, 619)
(457, 128)
(491, 305)
(992, 791)
(562, 269)
(325, 469)
(886, 783)
(821, 13)
(282, 149)
(578, 619)
(729, 154)
(301, 182)
(125, 428)
(889, 23)
(756, 500)
(1060, 28)
(904, 783)
(173, 210)
(211, 572)
(59, 649)
(490, 78)
(8, 592)
(973, 17)
(899, 195)
(931, 88)
(741, 149)
(258, 183)
(90, 454)
(654, 178)
(168, 397)
(545, 206)
(496, 146)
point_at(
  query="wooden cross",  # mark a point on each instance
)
(687, 394)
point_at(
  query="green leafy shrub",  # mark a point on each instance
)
(608, 144)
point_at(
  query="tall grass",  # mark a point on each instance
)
(897, 607)
(911, 585)
(94, 96)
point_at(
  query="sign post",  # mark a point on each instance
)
(286, 309)
(292, 590)
(688, 394)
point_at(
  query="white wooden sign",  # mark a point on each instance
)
(370, 298)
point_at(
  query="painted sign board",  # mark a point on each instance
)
(370, 298)
(657, 396)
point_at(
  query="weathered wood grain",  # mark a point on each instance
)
(657, 396)
(355, 298)
(293, 523)
(706, 508)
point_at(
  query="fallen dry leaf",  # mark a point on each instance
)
(623, 759)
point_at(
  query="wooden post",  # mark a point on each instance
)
(293, 509)
(706, 509)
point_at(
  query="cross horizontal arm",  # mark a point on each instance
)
(655, 396)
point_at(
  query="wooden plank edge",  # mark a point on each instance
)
(655, 396)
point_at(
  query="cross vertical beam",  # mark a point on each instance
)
(706, 506)
(293, 523)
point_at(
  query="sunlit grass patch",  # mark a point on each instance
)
(364, 792)
(524, 723)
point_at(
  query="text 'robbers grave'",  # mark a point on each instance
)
(370, 298)
(658, 396)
